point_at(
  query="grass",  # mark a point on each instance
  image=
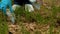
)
(45, 20)
(3, 25)
(39, 19)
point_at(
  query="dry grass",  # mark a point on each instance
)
(43, 21)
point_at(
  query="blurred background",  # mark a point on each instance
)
(43, 21)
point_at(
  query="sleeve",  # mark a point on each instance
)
(10, 5)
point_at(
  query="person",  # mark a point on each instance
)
(27, 3)
(3, 6)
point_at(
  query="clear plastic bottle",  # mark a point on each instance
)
(9, 14)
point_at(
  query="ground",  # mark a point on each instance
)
(43, 21)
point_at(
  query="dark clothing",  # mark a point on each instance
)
(22, 2)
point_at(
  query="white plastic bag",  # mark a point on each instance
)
(32, 1)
